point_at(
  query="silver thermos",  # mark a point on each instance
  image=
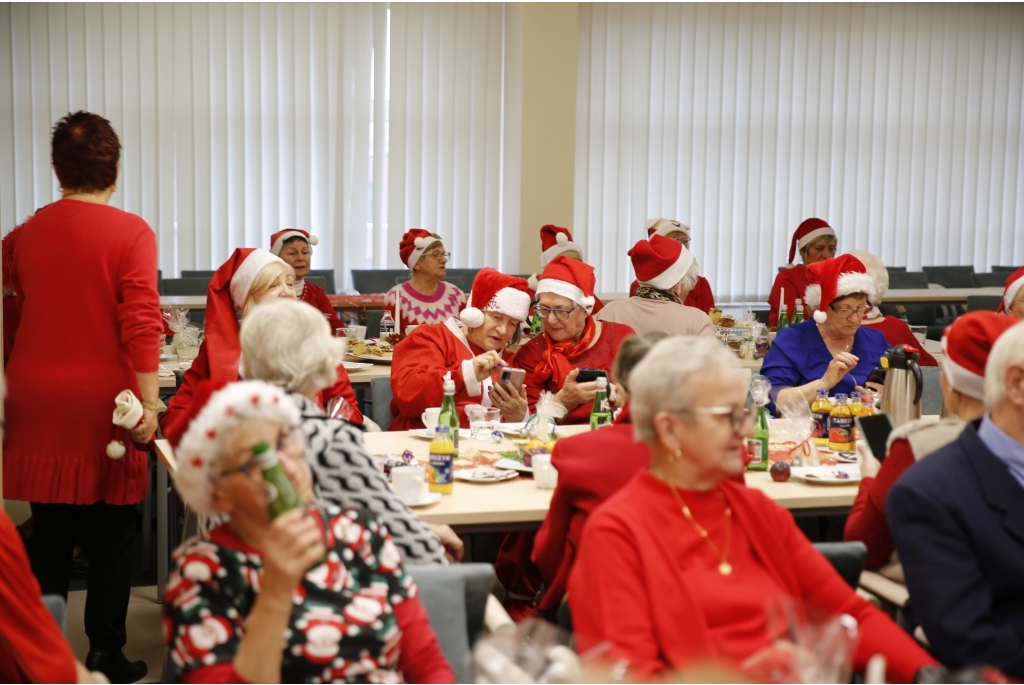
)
(901, 395)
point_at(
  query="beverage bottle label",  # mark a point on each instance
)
(840, 429)
(440, 471)
(755, 450)
(819, 425)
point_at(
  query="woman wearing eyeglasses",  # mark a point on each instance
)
(816, 241)
(681, 567)
(424, 298)
(572, 339)
(830, 351)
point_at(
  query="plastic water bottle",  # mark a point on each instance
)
(387, 326)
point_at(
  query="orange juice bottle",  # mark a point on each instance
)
(820, 411)
(440, 474)
(840, 426)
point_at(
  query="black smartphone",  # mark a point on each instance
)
(875, 430)
(590, 375)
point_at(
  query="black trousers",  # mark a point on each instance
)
(111, 536)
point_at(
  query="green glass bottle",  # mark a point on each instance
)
(798, 312)
(536, 324)
(757, 446)
(450, 413)
(601, 414)
(783, 318)
(281, 493)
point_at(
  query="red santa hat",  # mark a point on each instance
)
(1013, 285)
(226, 295)
(806, 233)
(660, 262)
(664, 227)
(494, 291)
(414, 243)
(569, 278)
(834, 278)
(966, 344)
(216, 408)
(278, 240)
(554, 240)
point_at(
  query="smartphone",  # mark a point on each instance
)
(590, 375)
(875, 430)
(513, 377)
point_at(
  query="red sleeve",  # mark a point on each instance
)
(527, 359)
(421, 659)
(549, 545)
(320, 301)
(138, 308)
(218, 673)
(866, 521)
(899, 333)
(173, 420)
(343, 388)
(701, 296)
(417, 372)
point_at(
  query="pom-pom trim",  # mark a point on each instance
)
(472, 317)
(420, 242)
(561, 239)
(820, 316)
(115, 449)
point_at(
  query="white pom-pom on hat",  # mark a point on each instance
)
(420, 242)
(115, 449)
(472, 317)
(532, 282)
(561, 239)
(588, 303)
(313, 240)
(820, 316)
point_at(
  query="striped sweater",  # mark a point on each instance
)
(416, 309)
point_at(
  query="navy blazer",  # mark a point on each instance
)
(957, 518)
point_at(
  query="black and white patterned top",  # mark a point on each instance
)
(346, 474)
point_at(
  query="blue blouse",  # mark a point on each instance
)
(799, 355)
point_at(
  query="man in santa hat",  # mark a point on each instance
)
(1013, 296)
(556, 241)
(424, 298)
(498, 304)
(816, 242)
(699, 295)
(572, 339)
(295, 247)
(666, 271)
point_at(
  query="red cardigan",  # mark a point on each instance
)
(795, 281)
(897, 332)
(630, 587)
(60, 396)
(317, 296)
(866, 521)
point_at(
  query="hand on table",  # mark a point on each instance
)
(511, 402)
(485, 364)
(143, 432)
(292, 544)
(573, 394)
(453, 547)
(843, 364)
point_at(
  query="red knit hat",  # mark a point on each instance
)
(414, 243)
(278, 240)
(1013, 285)
(834, 278)
(664, 227)
(805, 235)
(494, 291)
(227, 293)
(554, 240)
(966, 344)
(660, 262)
(569, 278)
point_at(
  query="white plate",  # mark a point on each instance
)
(372, 358)
(485, 474)
(511, 428)
(352, 366)
(429, 435)
(827, 475)
(506, 463)
(426, 498)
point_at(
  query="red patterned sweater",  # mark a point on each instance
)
(416, 309)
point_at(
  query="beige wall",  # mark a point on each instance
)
(549, 123)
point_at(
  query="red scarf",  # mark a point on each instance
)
(557, 356)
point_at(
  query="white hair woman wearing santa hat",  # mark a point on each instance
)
(295, 247)
(425, 298)
(1013, 296)
(497, 305)
(700, 294)
(816, 241)
(572, 339)
(316, 589)
(666, 271)
(831, 351)
(966, 344)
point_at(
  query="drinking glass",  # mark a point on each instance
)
(483, 421)
(920, 332)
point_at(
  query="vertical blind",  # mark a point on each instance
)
(238, 120)
(900, 124)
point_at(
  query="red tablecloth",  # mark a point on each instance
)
(369, 301)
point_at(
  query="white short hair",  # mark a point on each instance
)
(1008, 351)
(660, 380)
(288, 343)
(689, 281)
(876, 269)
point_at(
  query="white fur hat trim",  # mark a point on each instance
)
(508, 301)
(663, 227)
(562, 244)
(1011, 292)
(566, 289)
(421, 243)
(288, 235)
(248, 270)
(960, 378)
(814, 235)
(849, 283)
(672, 275)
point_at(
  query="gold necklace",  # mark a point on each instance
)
(846, 347)
(724, 567)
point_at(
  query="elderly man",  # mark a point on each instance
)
(958, 522)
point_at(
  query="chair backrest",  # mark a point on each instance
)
(950, 276)
(317, 280)
(159, 282)
(991, 280)
(455, 598)
(186, 286)
(987, 303)
(327, 275)
(373, 322)
(58, 608)
(1004, 269)
(380, 396)
(931, 394)
(847, 557)
(901, 269)
(907, 280)
(196, 274)
(367, 281)
(462, 277)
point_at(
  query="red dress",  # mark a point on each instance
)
(418, 368)
(795, 281)
(600, 356)
(317, 296)
(897, 332)
(98, 263)
(700, 297)
(866, 521)
(649, 586)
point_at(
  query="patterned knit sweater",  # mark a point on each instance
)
(416, 309)
(345, 474)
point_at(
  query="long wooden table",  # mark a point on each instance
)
(936, 295)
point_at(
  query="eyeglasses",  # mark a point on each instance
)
(737, 417)
(291, 440)
(560, 314)
(847, 312)
(438, 255)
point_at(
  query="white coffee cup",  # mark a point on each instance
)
(545, 476)
(430, 417)
(407, 482)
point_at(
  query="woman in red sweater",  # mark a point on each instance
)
(61, 397)
(295, 247)
(679, 567)
(328, 579)
(816, 242)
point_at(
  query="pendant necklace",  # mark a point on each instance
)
(724, 567)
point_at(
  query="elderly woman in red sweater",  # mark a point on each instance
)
(678, 568)
(815, 241)
(61, 396)
(295, 247)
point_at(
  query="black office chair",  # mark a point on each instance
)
(327, 275)
(159, 282)
(907, 280)
(950, 276)
(197, 274)
(373, 323)
(848, 558)
(901, 269)
(992, 280)
(368, 281)
(1004, 269)
(985, 303)
(186, 286)
(318, 280)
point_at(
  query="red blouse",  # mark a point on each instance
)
(317, 296)
(897, 332)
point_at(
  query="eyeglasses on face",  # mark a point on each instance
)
(847, 312)
(440, 256)
(292, 439)
(560, 314)
(737, 417)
